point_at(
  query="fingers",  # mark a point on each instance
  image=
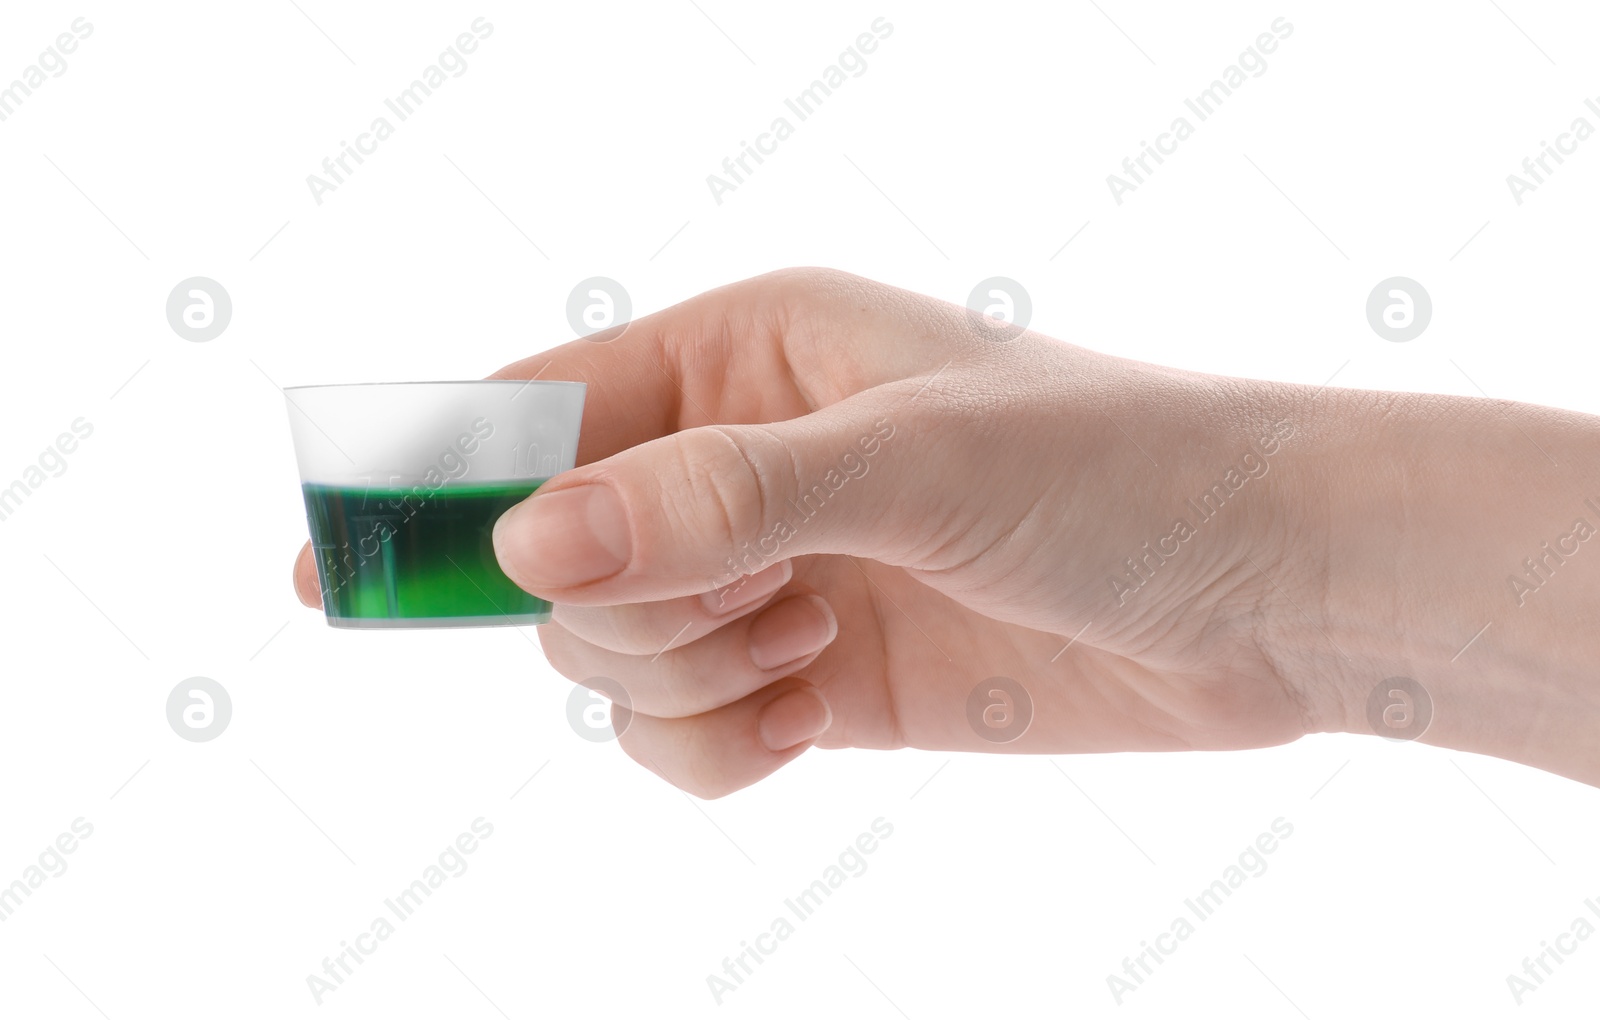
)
(306, 585)
(715, 753)
(689, 512)
(763, 349)
(716, 670)
(633, 371)
(652, 627)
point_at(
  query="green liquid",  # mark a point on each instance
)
(419, 557)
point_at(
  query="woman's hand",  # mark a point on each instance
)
(812, 508)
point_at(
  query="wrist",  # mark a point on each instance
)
(1454, 542)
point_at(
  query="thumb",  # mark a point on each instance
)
(690, 512)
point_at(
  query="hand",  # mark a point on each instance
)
(815, 509)
(919, 504)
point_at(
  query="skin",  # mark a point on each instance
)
(1362, 536)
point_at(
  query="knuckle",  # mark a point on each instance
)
(562, 650)
(642, 630)
(677, 694)
(633, 629)
(811, 276)
(729, 487)
(686, 764)
(705, 776)
(637, 748)
(713, 792)
(823, 286)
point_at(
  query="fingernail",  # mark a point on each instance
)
(793, 718)
(565, 538)
(790, 630)
(748, 589)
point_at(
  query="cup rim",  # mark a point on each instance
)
(440, 382)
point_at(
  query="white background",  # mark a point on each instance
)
(178, 143)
